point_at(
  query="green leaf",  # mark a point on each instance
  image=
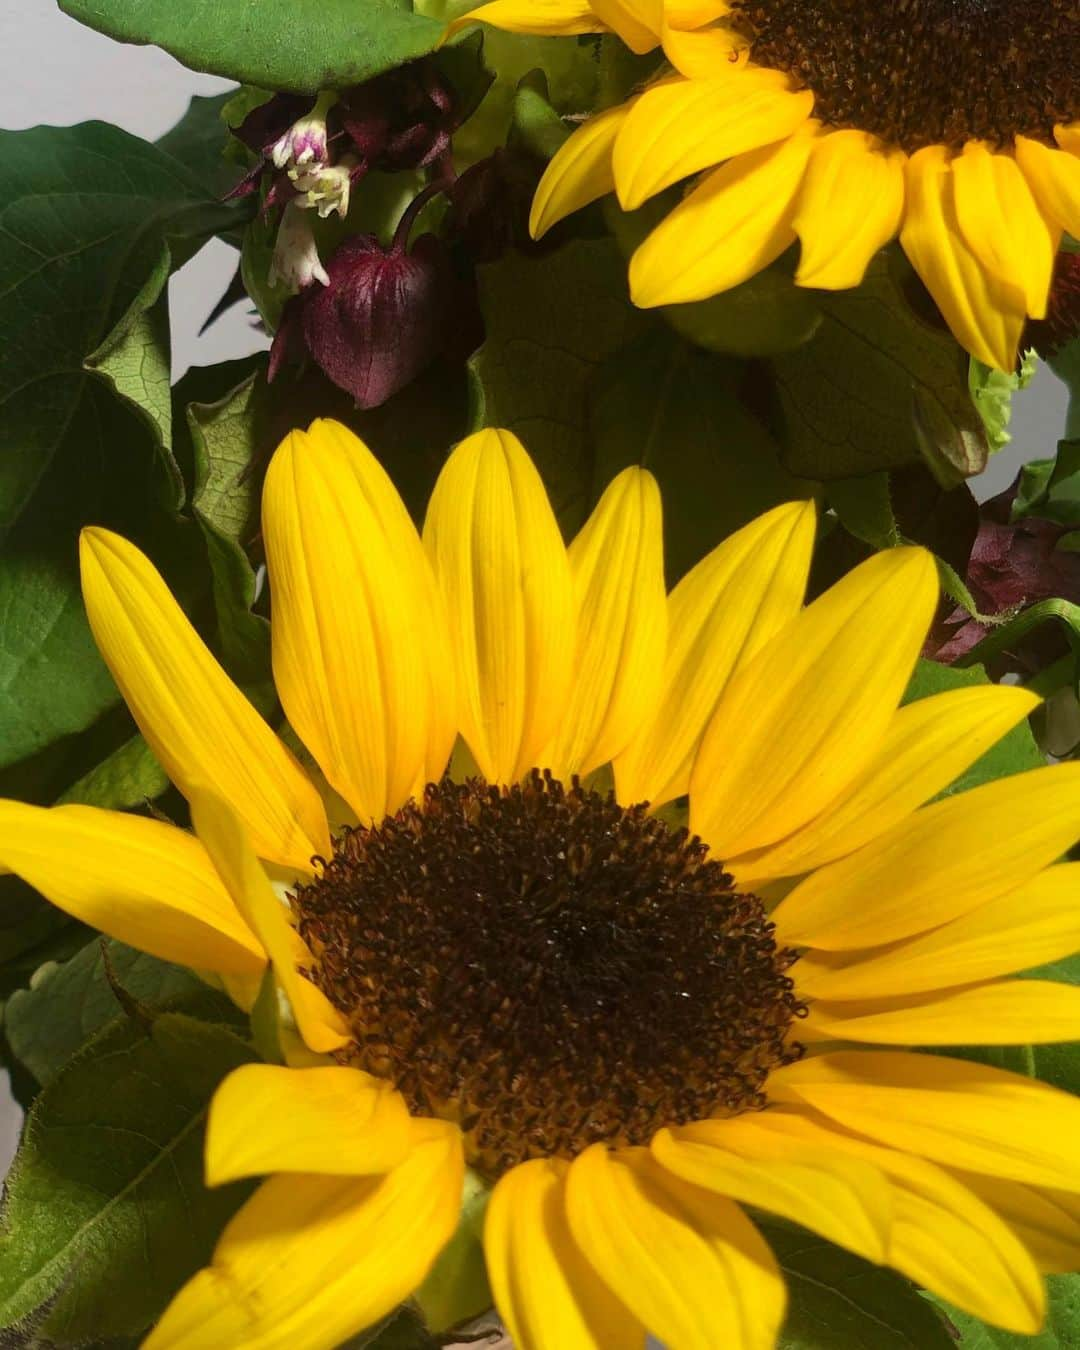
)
(837, 1301)
(674, 409)
(67, 1004)
(1050, 488)
(1062, 1330)
(285, 46)
(992, 391)
(87, 212)
(130, 776)
(864, 508)
(876, 388)
(200, 138)
(93, 220)
(1014, 753)
(225, 502)
(105, 1211)
(763, 316)
(456, 1288)
(550, 322)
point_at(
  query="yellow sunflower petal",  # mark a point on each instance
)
(222, 832)
(705, 53)
(500, 561)
(617, 568)
(1047, 1222)
(1003, 1012)
(846, 1201)
(140, 881)
(637, 22)
(797, 725)
(688, 1264)
(719, 616)
(734, 223)
(356, 635)
(851, 205)
(682, 126)
(199, 725)
(942, 1235)
(1054, 178)
(985, 313)
(687, 14)
(1036, 923)
(311, 1260)
(265, 1118)
(579, 172)
(943, 861)
(547, 1294)
(1002, 224)
(951, 1111)
(928, 744)
(548, 18)
(1068, 137)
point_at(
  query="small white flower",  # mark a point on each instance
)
(296, 262)
(326, 187)
(306, 141)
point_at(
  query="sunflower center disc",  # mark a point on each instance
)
(921, 72)
(548, 968)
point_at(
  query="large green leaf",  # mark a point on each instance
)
(279, 44)
(876, 388)
(675, 409)
(227, 433)
(105, 1213)
(550, 322)
(48, 1024)
(837, 1301)
(93, 221)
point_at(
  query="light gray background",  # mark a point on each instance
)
(53, 70)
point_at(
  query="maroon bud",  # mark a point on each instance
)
(1062, 323)
(403, 119)
(267, 123)
(489, 204)
(381, 319)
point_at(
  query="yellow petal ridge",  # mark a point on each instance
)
(198, 724)
(502, 567)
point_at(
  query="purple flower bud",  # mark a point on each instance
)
(489, 204)
(381, 319)
(266, 124)
(403, 119)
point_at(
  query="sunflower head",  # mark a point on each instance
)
(548, 968)
(839, 125)
(550, 980)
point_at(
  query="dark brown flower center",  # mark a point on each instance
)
(548, 968)
(920, 72)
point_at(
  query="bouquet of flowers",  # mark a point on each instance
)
(538, 806)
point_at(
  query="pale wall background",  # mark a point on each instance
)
(53, 70)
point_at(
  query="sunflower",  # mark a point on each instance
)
(517, 969)
(840, 123)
